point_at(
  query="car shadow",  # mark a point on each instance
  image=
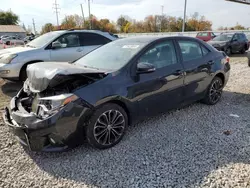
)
(247, 54)
(10, 88)
(179, 148)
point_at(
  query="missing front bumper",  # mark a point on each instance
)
(56, 133)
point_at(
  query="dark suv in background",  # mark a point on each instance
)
(231, 43)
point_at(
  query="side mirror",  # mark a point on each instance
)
(56, 45)
(235, 40)
(143, 68)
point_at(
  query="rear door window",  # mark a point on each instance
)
(190, 50)
(92, 39)
(203, 34)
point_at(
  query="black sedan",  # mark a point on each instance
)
(230, 43)
(96, 97)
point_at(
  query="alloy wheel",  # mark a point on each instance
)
(109, 127)
(216, 91)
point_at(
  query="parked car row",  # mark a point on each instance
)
(61, 46)
(9, 40)
(227, 42)
(112, 84)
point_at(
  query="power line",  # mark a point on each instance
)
(34, 25)
(56, 7)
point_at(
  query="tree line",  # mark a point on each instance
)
(124, 24)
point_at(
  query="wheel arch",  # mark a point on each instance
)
(221, 76)
(123, 105)
(28, 63)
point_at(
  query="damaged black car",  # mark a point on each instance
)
(96, 97)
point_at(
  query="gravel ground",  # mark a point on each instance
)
(198, 146)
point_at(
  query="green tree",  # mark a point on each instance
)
(47, 28)
(239, 27)
(122, 22)
(8, 18)
(68, 22)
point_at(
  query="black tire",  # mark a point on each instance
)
(23, 74)
(105, 123)
(249, 62)
(214, 92)
(243, 51)
(228, 51)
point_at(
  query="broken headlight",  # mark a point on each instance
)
(48, 106)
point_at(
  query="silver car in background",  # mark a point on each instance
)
(60, 46)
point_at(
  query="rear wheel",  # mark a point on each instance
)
(106, 126)
(243, 51)
(214, 92)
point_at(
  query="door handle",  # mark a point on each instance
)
(210, 62)
(179, 73)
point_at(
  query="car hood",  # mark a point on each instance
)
(216, 42)
(42, 75)
(15, 50)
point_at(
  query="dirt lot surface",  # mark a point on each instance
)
(198, 146)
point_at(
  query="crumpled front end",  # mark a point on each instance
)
(56, 132)
(46, 115)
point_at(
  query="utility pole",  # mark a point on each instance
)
(184, 17)
(34, 26)
(90, 19)
(162, 9)
(56, 7)
(82, 15)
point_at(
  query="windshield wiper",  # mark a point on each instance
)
(90, 67)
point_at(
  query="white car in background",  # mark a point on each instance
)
(12, 40)
(60, 46)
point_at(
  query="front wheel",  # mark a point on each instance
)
(214, 92)
(107, 126)
(228, 51)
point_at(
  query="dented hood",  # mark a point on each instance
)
(40, 75)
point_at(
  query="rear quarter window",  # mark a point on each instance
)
(202, 34)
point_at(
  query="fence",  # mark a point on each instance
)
(190, 34)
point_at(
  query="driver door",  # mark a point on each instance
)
(69, 50)
(162, 89)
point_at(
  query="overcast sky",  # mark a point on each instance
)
(220, 12)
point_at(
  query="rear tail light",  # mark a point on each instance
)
(228, 59)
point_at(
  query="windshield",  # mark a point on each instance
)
(43, 39)
(223, 37)
(111, 56)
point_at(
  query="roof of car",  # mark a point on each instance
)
(148, 39)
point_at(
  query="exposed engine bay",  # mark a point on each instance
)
(59, 85)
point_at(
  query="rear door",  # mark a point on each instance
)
(70, 48)
(91, 41)
(236, 43)
(197, 61)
